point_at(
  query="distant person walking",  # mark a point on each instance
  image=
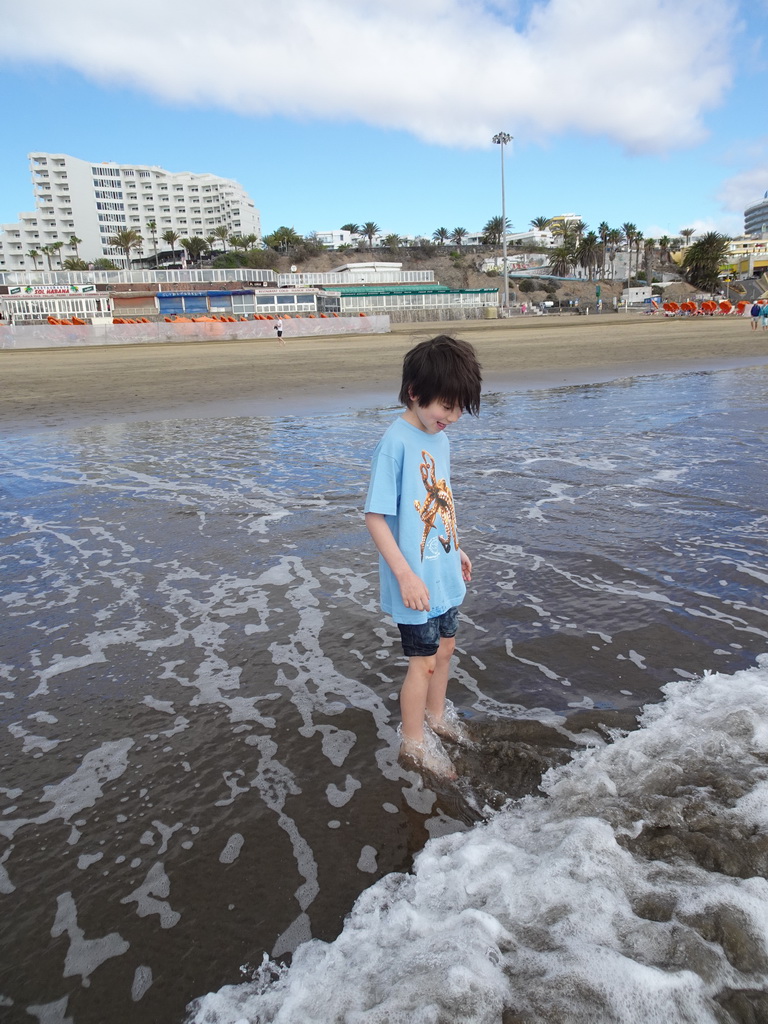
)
(279, 329)
(755, 313)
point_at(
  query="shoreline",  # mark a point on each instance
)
(46, 389)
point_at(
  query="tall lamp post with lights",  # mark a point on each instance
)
(501, 139)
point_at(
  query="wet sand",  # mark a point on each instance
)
(51, 388)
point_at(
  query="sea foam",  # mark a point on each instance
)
(629, 892)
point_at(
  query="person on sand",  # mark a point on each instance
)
(764, 316)
(410, 514)
(755, 314)
(279, 329)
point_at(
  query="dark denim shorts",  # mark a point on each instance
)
(422, 639)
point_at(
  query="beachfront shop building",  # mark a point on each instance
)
(32, 303)
(339, 301)
(246, 302)
(411, 299)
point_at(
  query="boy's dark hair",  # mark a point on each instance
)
(443, 368)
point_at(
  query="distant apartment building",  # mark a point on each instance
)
(532, 237)
(756, 218)
(562, 223)
(335, 239)
(93, 201)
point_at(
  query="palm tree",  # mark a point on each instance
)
(603, 231)
(649, 246)
(492, 232)
(540, 223)
(440, 235)
(629, 231)
(221, 234)
(687, 234)
(50, 250)
(126, 239)
(171, 237)
(614, 241)
(563, 230)
(458, 235)
(33, 254)
(237, 241)
(703, 260)
(639, 236)
(251, 240)
(562, 260)
(393, 241)
(74, 241)
(152, 229)
(353, 229)
(587, 252)
(665, 246)
(74, 263)
(369, 230)
(578, 227)
(283, 238)
(195, 247)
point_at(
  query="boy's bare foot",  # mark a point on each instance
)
(427, 755)
(450, 727)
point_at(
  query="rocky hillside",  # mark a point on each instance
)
(464, 273)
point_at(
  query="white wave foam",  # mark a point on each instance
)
(564, 906)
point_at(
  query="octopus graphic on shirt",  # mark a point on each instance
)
(439, 501)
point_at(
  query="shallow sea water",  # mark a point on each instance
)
(198, 698)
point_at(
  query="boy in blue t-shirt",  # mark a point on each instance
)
(411, 517)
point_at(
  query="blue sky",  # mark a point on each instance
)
(329, 111)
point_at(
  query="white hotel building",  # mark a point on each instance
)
(756, 218)
(94, 201)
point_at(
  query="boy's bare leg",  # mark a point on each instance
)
(438, 683)
(441, 716)
(417, 745)
(413, 697)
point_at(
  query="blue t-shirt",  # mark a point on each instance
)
(411, 487)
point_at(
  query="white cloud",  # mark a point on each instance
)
(451, 72)
(745, 188)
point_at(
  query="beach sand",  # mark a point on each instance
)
(51, 388)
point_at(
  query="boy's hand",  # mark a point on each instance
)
(466, 566)
(414, 592)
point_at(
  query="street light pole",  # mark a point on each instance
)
(501, 139)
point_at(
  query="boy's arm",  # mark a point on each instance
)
(413, 590)
(466, 566)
